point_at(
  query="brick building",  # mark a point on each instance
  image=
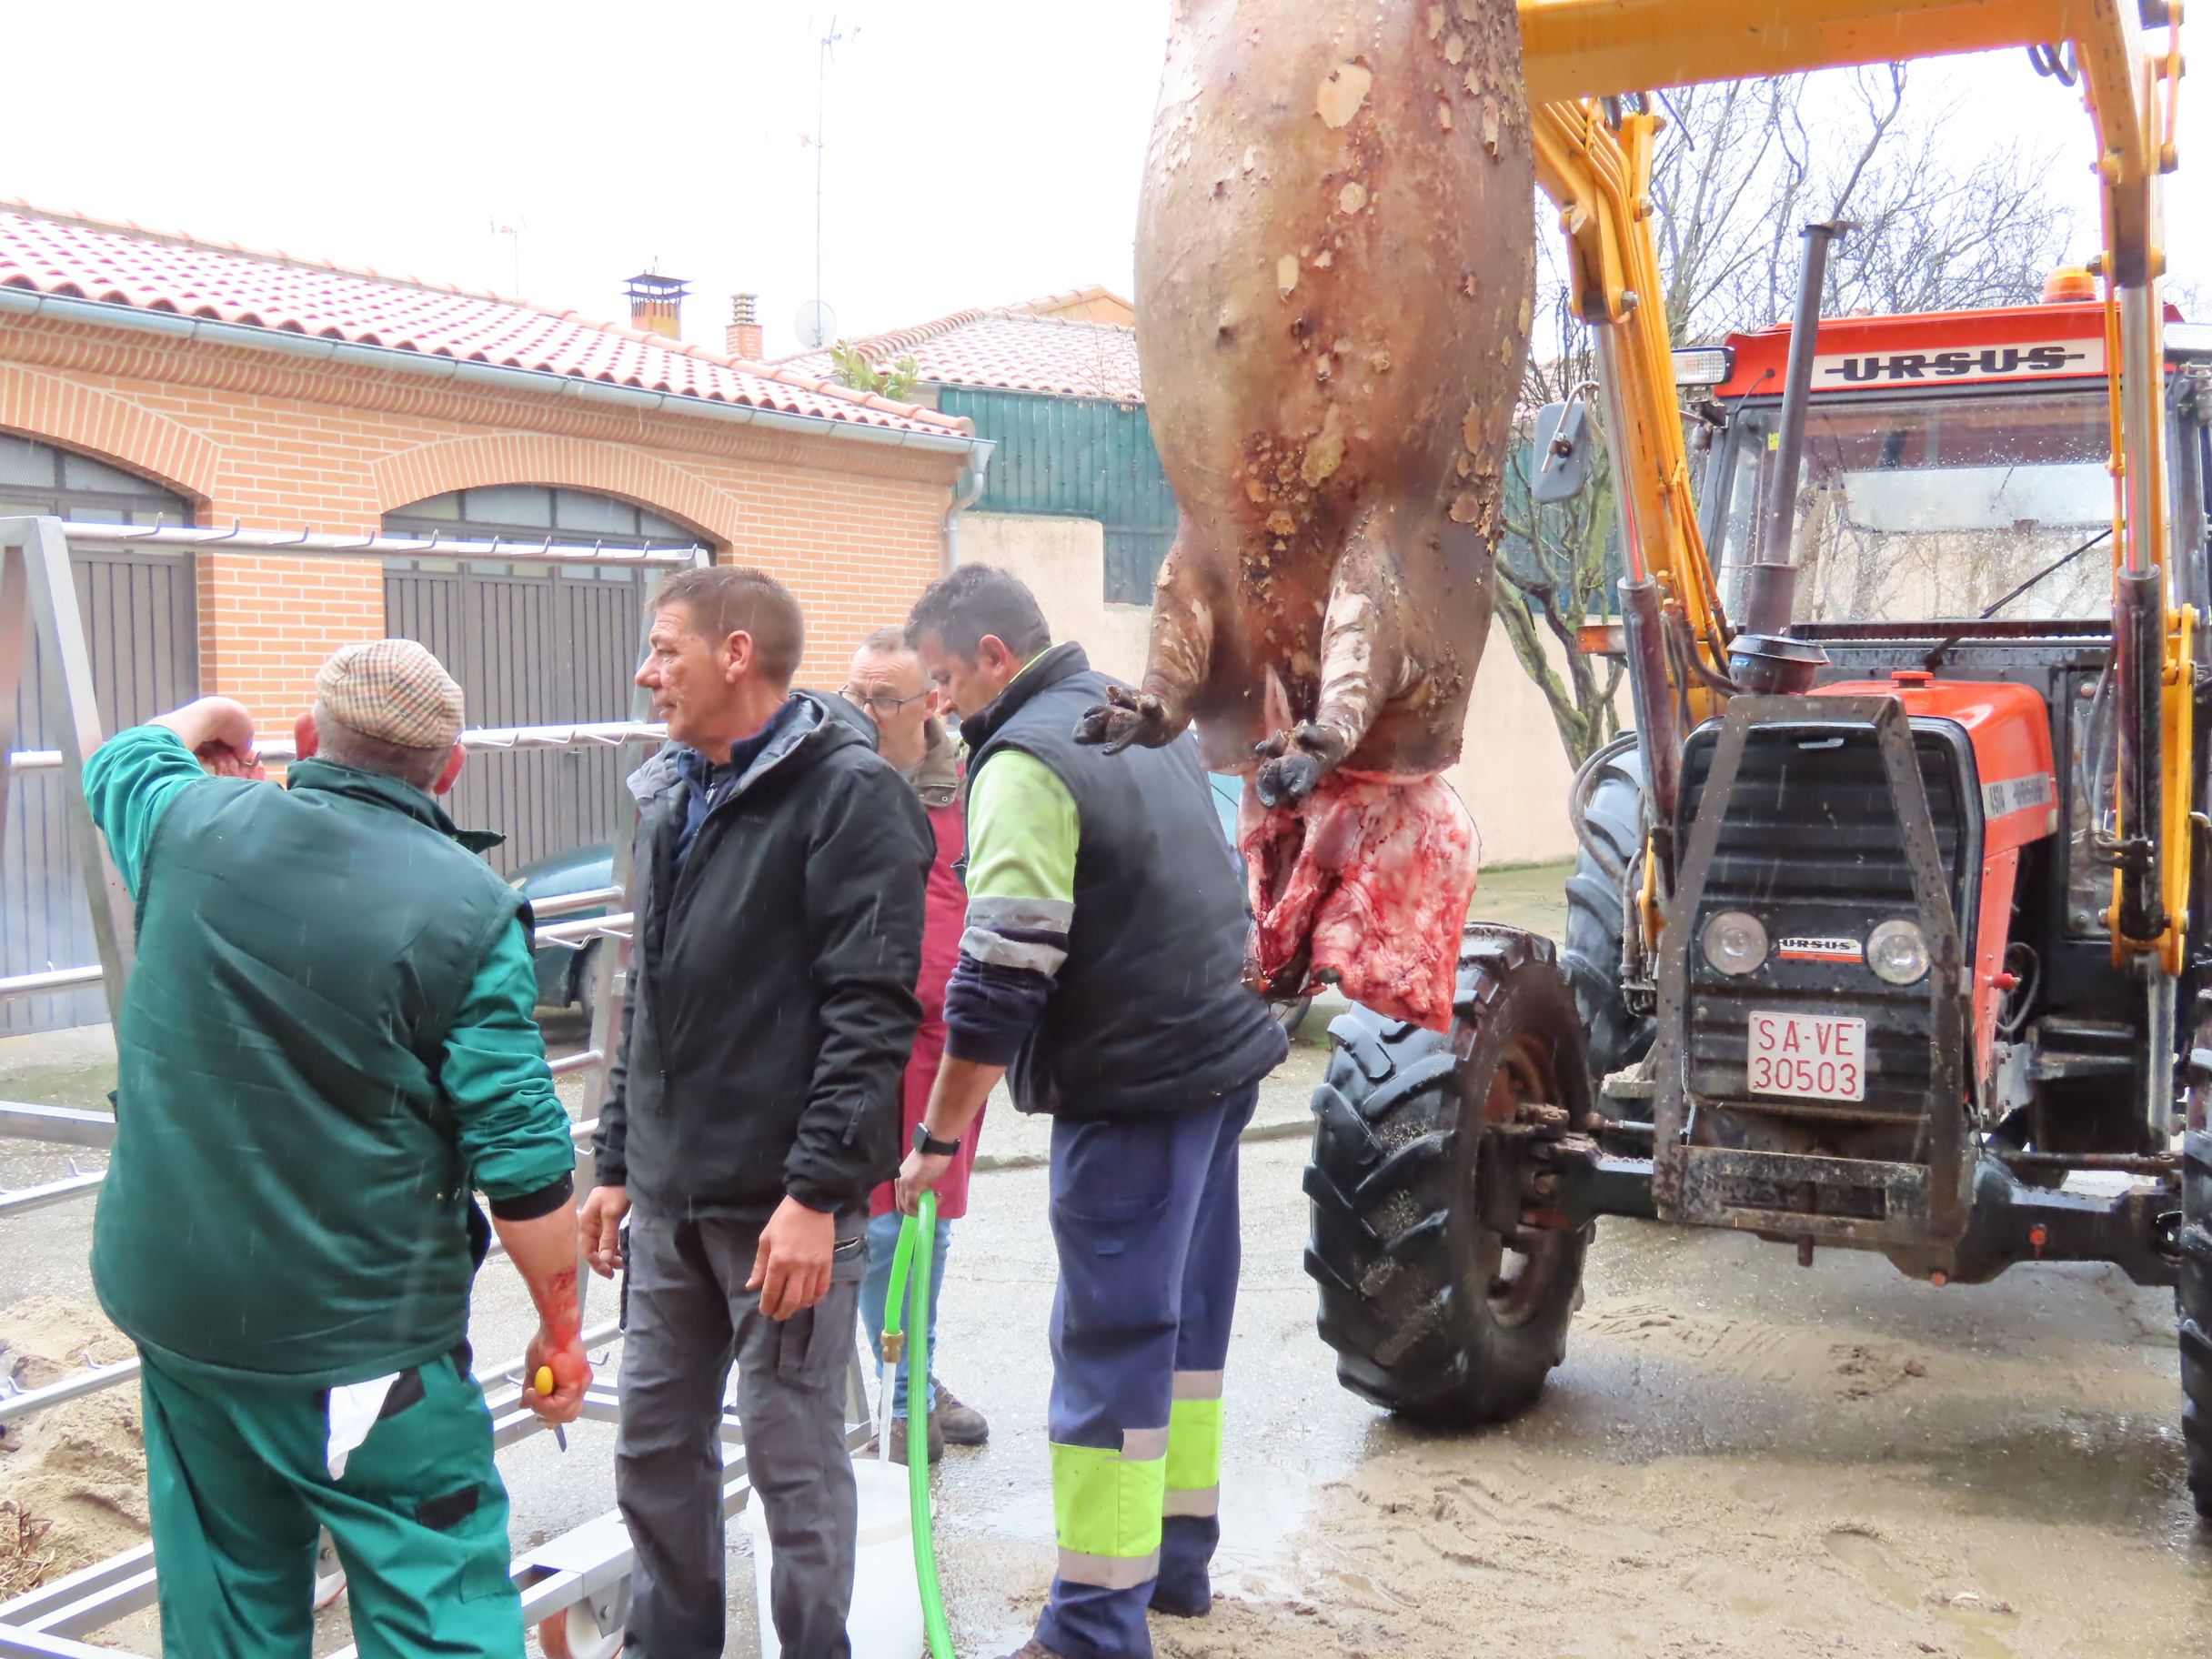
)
(146, 376)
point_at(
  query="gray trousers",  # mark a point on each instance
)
(689, 1316)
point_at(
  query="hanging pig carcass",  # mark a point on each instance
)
(1334, 268)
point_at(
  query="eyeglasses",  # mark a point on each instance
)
(881, 704)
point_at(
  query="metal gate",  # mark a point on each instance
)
(529, 644)
(142, 620)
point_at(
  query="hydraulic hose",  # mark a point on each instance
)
(910, 1265)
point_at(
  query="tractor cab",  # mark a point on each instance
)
(1955, 468)
(1951, 616)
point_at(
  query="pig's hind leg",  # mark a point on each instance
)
(1362, 667)
(1176, 663)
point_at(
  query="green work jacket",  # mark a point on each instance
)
(326, 1043)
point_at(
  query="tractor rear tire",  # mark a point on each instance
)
(1431, 1311)
(2193, 1297)
(1611, 836)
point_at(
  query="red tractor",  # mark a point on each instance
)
(1892, 928)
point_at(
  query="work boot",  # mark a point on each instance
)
(1181, 1603)
(937, 1440)
(963, 1425)
(1032, 1649)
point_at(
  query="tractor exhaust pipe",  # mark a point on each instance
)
(1771, 590)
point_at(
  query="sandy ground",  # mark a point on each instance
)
(1739, 1457)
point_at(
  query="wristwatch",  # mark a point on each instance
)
(930, 1146)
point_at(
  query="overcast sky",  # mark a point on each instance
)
(978, 151)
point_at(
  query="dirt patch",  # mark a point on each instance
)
(1441, 1555)
(1805, 1489)
(72, 1478)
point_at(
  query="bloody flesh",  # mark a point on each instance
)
(1334, 270)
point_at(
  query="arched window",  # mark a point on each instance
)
(37, 478)
(531, 645)
(531, 512)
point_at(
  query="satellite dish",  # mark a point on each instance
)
(816, 325)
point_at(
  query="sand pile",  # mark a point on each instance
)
(72, 1478)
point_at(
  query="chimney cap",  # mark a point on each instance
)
(653, 284)
(745, 307)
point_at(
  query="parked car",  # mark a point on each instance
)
(564, 975)
(564, 972)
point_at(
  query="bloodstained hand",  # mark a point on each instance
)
(557, 1347)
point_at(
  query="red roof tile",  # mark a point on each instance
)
(1012, 350)
(127, 265)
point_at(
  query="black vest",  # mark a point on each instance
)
(1149, 1013)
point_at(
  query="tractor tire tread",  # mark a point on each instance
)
(1392, 1234)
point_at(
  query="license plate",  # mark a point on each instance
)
(1816, 1057)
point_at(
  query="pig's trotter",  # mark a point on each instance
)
(1126, 717)
(1292, 763)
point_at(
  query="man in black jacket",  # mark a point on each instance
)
(754, 1103)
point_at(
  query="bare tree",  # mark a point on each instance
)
(1742, 167)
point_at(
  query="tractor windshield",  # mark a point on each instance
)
(1941, 505)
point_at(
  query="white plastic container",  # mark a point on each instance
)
(885, 1622)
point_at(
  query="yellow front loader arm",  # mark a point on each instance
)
(1578, 55)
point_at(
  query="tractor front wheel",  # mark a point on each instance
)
(1444, 1292)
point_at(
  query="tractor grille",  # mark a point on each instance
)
(1813, 848)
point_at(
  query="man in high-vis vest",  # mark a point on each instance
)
(325, 1045)
(1099, 973)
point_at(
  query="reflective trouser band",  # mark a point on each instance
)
(1204, 1502)
(1107, 1506)
(1194, 1448)
(1108, 1571)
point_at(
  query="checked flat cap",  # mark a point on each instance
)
(393, 689)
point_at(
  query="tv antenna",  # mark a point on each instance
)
(827, 50)
(512, 230)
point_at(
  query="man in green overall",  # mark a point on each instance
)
(325, 1045)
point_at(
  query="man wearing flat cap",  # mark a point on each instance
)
(325, 1047)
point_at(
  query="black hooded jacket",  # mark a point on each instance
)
(770, 1005)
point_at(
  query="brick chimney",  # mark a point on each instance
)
(656, 303)
(742, 339)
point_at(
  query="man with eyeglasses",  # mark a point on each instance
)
(887, 681)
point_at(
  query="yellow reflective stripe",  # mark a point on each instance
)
(1194, 1445)
(1106, 1504)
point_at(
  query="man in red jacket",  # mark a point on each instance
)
(886, 679)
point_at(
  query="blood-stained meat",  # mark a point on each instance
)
(1334, 269)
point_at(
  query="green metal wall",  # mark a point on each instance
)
(1078, 458)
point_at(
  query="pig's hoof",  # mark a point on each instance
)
(1288, 779)
(1293, 762)
(1125, 717)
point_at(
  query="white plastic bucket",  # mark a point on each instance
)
(885, 1622)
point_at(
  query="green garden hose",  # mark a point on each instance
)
(911, 1267)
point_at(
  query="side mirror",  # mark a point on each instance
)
(1559, 452)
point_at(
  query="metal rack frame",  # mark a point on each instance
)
(590, 1563)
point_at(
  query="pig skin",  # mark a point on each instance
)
(1334, 273)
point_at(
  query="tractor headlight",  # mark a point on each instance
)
(1734, 942)
(1898, 952)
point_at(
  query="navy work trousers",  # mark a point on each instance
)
(1144, 1218)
